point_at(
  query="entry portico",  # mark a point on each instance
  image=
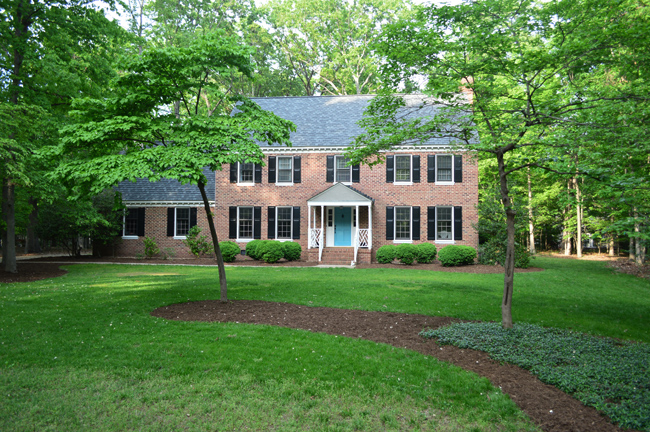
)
(335, 219)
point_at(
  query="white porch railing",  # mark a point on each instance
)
(316, 240)
(362, 239)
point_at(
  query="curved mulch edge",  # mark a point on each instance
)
(550, 408)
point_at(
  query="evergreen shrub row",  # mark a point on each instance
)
(406, 253)
(272, 251)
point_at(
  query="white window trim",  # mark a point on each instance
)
(246, 240)
(445, 183)
(276, 224)
(410, 239)
(451, 241)
(124, 236)
(180, 237)
(241, 183)
(402, 182)
(277, 171)
(336, 169)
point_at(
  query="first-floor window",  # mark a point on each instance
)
(245, 223)
(131, 222)
(182, 221)
(284, 222)
(444, 223)
(402, 223)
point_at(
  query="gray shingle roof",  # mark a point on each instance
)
(142, 190)
(339, 193)
(326, 121)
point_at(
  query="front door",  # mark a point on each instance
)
(342, 226)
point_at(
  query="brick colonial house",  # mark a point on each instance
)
(309, 195)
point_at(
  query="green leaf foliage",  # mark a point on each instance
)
(610, 375)
(253, 248)
(456, 255)
(229, 250)
(425, 253)
(292, 251)
(405, 253)
(386, 254)
(271, 251)
(198, 244)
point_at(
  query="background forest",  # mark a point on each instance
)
(585, 187)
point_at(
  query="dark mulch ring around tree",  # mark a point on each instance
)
(548, 407)
(29, 271)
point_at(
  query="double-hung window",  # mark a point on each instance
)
(245, 223)
(283, 223)
(444, 171)
(402, 223)
(285, 169)
(182, 226)
(246, 172)
(403, 169)
(130, 222)
(342, 172)
(444, 223)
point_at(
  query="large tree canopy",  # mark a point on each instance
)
(537, 74)
(135, 132)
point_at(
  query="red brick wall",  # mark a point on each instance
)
(372, 183)
(156, 228)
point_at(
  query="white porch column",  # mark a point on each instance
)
(369, 226)
(356, 234)
(308, 226)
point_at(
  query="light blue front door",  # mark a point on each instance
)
(342, 226)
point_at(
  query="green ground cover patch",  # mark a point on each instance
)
(611, 376)
(82, 352)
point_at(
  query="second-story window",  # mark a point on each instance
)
(343, 172)
(285, 169)
(403, 168)
(444, 168)
(246, 172)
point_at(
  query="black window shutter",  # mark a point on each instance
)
(271, 169)
(233, 172)
(232, 222)
(431, 169)
(431, 223)
(296, 223)
(330, 169)
(355, 173)
(416, 169)
(258, 173)
(170, 221)
(458, 223)
(415, 223)
(257, 223)
(390, 223)
(192, 217)
(390, 170)
(140, 230)
(271, 222)
(297, 178)
(458, 169)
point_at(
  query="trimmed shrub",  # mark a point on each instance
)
(405, 253)
(386, 254)
(229, 250)
(425, 253)
(456, 255)
(151, 248)
(292, 251)
(271, 251)
(494, 252)
(252, 248)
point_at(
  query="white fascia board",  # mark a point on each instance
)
(166, 203)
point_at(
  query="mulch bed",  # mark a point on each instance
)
(550, 408)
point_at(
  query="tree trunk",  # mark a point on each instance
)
(9, 237)
(33, 245)
(611, 246)
(509, 264)
(215, 241)
(632, 255)
(531, 226)
(578, 219)
(638, 250)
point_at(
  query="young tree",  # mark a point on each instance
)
(135, 132)
(528, 68)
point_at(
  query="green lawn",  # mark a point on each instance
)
(82, 352)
